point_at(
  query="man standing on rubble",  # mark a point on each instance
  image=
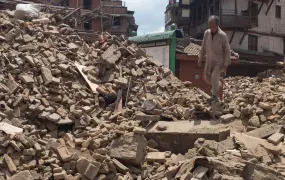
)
(216, 52)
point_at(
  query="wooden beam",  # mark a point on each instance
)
(283, 45)
(208, 8)
(260, 7)
(236, 12)
(129, 89)
(220, 10)
(236, 7)
(214, 8)
(269, 7)
(232, 37)
(245, 32)
(118, 100)
(58, 12)
(249, 10)
(71, 13)
(202, 12)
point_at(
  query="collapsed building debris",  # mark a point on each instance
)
(72, 110)
(256, 103)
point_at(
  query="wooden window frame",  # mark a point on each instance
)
(252, 42)
(278, 12)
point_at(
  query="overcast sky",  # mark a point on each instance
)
(149, 14)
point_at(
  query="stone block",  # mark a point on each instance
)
(180, 136)
(92, 171)
(64, 153)
(46, 74)
(144, 117)
(10, 164)
(264, 132)
(81, 165)
(227, 118)
(155, 157)
(276, 138)
(27, 79)
(60, 175)
(23, 175)
(130, 148)
(111, 55)
(121, 168)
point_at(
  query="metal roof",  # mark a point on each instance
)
(156, 36)
(192, 49)
(267, 54)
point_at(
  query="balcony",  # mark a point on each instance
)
(228, 20)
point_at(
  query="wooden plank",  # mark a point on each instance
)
(207, 96)
(122, 46)
(58, 12)
(71, 13)
(245, 32)
(260, 7)
(283, 45)
(92, 85)
(232, 37)
(269, 7)
(128, 91)
(145, 117)
(200, 172)
(118, 100)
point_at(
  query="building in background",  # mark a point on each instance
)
(178, 12)
(102, 15)
(254, 27)
(120, 20)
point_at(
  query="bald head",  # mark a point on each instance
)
(213, 23)
(215, 19)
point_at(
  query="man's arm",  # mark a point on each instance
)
(227, 52)
(203, 48)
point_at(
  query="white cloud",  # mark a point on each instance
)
(149, 14)
(158, 30)
(161, 29)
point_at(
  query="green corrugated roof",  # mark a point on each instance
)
(156, 36)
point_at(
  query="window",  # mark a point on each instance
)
(205, 12)
(252, 43)
(87, 4)
(63, 3)
(217, 8)
(117, 21)
(211, 10)
(278, 12)
(167, 15)
(88, 25)
(199, 13)
(185, 13)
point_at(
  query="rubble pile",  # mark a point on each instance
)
(54, 126)
(256, 103)
(72, 110)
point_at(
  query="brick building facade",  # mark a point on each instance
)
(120, 20)
(178, 12)
(253, 26)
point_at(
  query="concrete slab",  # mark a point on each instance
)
(180, 136)
(255, 146)
(276, 138)
(265, 131)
